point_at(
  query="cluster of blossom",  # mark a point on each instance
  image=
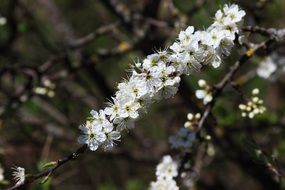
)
(205, 93)
(19, 175)
(165, 172)
(47, 89)
(158, 77)
(252, 107)
(266, 68)
(192, 122)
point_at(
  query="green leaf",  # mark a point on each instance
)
(49, 164)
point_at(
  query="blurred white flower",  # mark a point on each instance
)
(167, 168)
(164, 184)
(19, 175)
(3, 21)
(1, 173)
(266, 68)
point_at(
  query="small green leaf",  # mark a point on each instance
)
(49, 164)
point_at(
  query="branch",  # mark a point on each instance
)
(227, 79)
(48, 172)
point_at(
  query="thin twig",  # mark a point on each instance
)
(48, 172)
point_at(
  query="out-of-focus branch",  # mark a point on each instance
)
(48, 172)
(277, 34)
(121, 11)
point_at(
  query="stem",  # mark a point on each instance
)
(48, 172)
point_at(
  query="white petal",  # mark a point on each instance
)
(101, 137)
(93, 145)
(96, 128)
(94, 113)
(108, 127)
(84, 129)
(115, 135)
(208, 98)
(189, 30)
(82, 139)
(200, 94)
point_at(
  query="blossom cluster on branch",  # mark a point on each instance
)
(158, 77)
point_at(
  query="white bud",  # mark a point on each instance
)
(2, 21)
(242, 107)
(190, 116)
(251, 115)
(187, 124)
(40, 90)
(197, 116)
(202, 83)
(255, 99)
(243, 114)
(255, 91)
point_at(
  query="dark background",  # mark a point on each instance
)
(84, 48)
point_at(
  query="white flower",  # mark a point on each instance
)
(164, 184)
(111, 136)
(129, 110)
(155, 59)
(191, 61)
(151, 80)
(186, 35)
(205, 93)
(214, 38)
(19, 175)
(169, 83)
(266, 68)
(226, 45)
(1, 173)
(134, 88)
(232, 14)
(167, 168)
(98, 118)
(112, 110)
(219, 17)
(92, 135)
(3, 21)
(123, 124)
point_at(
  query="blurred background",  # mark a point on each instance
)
(60, 58)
